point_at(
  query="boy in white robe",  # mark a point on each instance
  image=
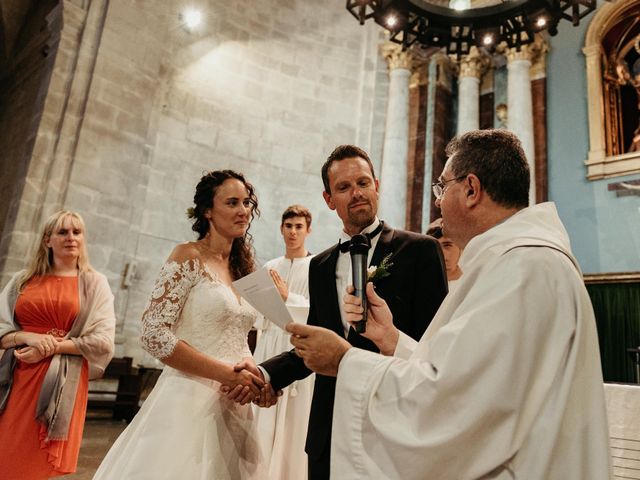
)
(282, 429)
(506, 382)
(451, 253)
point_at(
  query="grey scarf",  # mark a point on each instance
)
(8, 361)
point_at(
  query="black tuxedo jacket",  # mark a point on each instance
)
(414, 289)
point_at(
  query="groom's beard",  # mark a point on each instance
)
(363, 217)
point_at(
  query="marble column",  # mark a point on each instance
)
(429, 140)
(393, 173)
(438, 129)
(472, 67)
(538, 72)
(521, 107)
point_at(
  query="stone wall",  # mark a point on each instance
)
(29, 46)
(139, 107)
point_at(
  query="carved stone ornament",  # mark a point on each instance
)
(396, 57)
(474, 64)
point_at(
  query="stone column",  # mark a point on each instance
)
(440, 110)
(418, 100)
(472, 67)
(538, 71)
(521, 106)
(393, 173)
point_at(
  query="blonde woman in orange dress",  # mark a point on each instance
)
(57, 328)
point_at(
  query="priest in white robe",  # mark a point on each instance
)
(506, 382)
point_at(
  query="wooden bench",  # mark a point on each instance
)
(124, 400)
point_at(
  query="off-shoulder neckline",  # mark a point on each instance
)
(210, 274)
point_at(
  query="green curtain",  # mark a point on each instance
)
(617, 310)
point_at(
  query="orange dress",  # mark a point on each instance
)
(48, 304)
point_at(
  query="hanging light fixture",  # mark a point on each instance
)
(433, 23)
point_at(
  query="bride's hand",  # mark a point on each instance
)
(243, 394)
(248, 363)
(244, 385)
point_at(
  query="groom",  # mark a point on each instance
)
(414, 288)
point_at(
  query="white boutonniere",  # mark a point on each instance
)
(381, 271)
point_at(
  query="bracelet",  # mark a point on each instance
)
(15, 343)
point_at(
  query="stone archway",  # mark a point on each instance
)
(599, 163)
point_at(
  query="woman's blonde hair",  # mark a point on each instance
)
(42, 257)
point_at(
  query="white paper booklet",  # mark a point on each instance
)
(258, 289)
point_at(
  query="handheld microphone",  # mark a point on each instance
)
(359, 251)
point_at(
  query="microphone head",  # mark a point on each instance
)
(359, 244)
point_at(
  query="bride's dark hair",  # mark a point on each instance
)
(241, 260)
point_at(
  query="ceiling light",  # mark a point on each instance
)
(191, 18)
(428, 24)
(460, 4)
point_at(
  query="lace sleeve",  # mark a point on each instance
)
(169, 294)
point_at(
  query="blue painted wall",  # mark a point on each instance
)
(604, 229)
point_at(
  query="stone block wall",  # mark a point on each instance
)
(139, 108)
(29, 48)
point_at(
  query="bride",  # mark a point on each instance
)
(197, 325)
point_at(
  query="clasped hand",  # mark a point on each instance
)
(258, 392)
(38, 346)
(320, 348)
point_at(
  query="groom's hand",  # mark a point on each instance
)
(246, 385)
(268, 396)
(321, 349)
(379, 328)
(244, 393)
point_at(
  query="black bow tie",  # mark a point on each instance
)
(344, 246)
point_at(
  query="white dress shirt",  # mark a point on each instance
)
(343, 277)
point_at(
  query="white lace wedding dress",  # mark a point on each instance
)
(186, 428)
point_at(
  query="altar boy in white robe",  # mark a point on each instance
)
(282, 430)
(506, 382)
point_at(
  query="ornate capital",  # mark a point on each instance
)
(395, 56)
(474, 64)
(539, 49)
(524, 53)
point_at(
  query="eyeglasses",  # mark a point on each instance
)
(440, 186)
